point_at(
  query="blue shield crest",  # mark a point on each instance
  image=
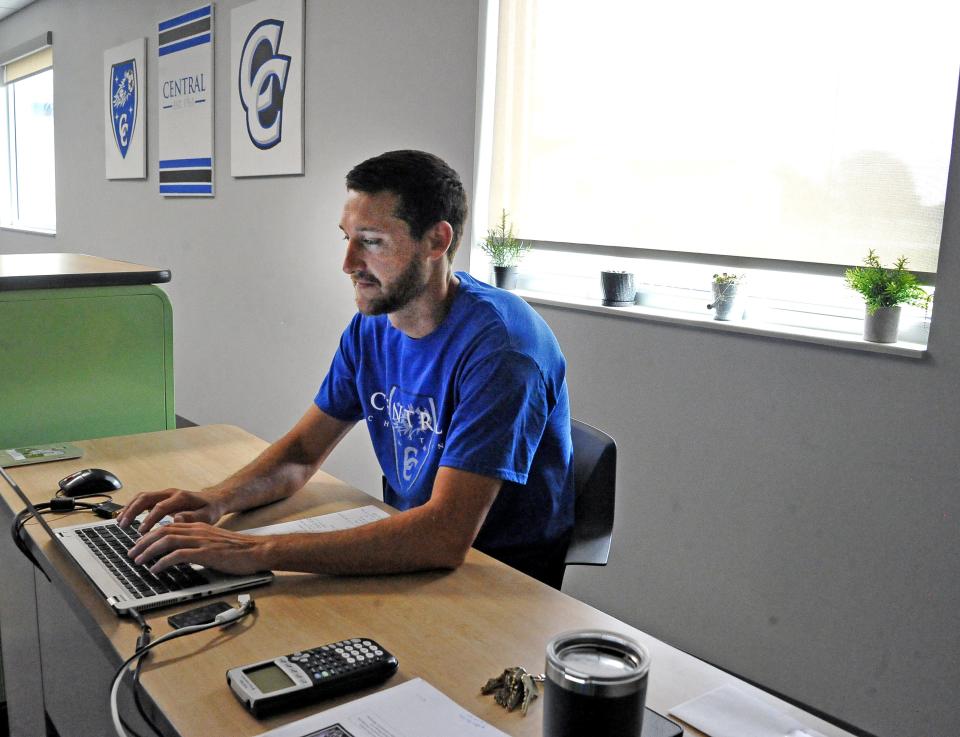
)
(413, 419)
(123, 102)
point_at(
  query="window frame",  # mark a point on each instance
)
(10, 207)
(836, 317)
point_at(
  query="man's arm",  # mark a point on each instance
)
(280, 470)
(437, 534)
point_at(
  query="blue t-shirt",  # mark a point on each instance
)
(485, 392)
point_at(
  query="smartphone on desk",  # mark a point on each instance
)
(655, 725)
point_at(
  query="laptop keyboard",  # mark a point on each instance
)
(110, 544)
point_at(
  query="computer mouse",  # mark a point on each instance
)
(89, 481)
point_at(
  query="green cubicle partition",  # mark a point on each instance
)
(84, 362)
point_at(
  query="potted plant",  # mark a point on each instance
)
(726, 290)
(618, 288)
(884, 290)
(505, 252)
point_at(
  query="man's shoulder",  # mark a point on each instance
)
(506, 320)
(491, 304)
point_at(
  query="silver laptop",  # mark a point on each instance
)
(99, 548)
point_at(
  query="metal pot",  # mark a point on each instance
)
(505, 277)
(882, 326)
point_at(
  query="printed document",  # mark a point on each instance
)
(412, 709)
(324, 522)
(731, 712)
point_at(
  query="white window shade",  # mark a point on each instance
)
(38, 61)
(802, 132)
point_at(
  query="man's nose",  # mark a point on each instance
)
(351, 259)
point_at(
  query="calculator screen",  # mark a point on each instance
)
(269, 678)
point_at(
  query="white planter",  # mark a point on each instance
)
(882, 326)
(726, 305)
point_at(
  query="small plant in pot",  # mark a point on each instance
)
(726, 296)
(505, 252)
(883, 291)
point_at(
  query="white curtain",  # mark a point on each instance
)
(802, 131)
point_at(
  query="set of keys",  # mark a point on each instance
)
(514, 687)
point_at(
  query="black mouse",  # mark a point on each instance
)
(89, 481)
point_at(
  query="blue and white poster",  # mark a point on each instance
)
(185, 96)
(266, 108)
(125, 117)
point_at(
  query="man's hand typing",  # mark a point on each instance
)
(183, 506)
(202, 544)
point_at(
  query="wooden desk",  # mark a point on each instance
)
(454, 629)
(58, 270)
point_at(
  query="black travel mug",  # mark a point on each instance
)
(596, 685)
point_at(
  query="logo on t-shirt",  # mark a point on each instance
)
(413, 420)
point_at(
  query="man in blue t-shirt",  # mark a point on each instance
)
(462, 388)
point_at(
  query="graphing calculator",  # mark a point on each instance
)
(309, 675)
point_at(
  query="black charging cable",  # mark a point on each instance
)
(57, 505)
(61, 505)
(143, 639)
(223, 619)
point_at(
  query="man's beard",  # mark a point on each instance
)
(408, 286)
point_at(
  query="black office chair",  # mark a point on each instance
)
(595, 482)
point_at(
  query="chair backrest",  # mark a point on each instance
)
(595, 482)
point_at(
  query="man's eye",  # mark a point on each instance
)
(370, 242)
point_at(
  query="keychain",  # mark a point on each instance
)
(514, 687)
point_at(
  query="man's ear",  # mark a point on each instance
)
(439, 238)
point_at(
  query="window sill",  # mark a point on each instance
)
(744, 327)
(32, 231)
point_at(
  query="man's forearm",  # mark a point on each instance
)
(285, 466)
(437, 534)
(411, 541)
(273, 475)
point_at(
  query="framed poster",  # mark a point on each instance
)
(185, 99)
(266, 104)
(125, 107)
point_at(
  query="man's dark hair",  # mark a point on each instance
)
(427, 189)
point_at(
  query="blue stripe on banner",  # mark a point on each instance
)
(186, 188)
(181, 19)
(185, 163)
(181, 45)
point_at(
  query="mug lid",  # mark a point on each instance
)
(597, 662)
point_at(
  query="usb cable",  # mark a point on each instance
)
(223, 619)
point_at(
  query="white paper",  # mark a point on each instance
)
(324, 522)
(412, 709)
(731, 712)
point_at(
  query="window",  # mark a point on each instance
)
(747, 134)
(28, 187)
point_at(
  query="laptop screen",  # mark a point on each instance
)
(23, 497)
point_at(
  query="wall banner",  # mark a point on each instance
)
(125, 107)
(185, 95)
(266, 107)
